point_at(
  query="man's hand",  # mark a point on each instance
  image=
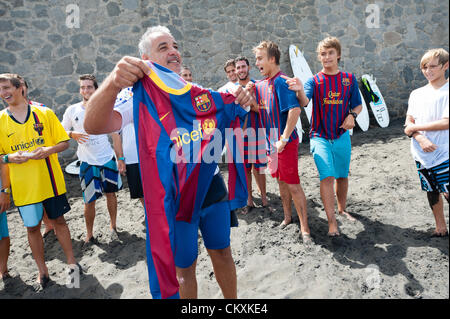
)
(128, 71)
(18, 158)
(41, 153)
(80, 137)
(245, 98)
(250, 86)
(426, 145)
(121, 166)
(5, 202)
(410, 129)
(294, 83)
(280, 146)
(348, 123)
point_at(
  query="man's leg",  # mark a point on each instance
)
(63, 235)
(111, 202)
(37, 249)
(437, 206)
(286, 200)
(249, 188)
(225, 271)
(4, 254)
(299, 198)
(327, 195)
(188, 281)
(89, 216)
(341, 194)
(47, 223)
(260, 179)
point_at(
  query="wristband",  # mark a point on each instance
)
(121, 158)
(6, 190)
(354, 114)
(284, 139)
(5, 159)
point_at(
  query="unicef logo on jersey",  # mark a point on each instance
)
(27, 145)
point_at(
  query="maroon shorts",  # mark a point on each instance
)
(284, 166)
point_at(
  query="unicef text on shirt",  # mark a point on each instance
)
(27, 145)
(204, 143)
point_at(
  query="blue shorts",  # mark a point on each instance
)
(332, 157)
(3, 226)
(96, 180)
(54, 207)
(434, 179)
(214, 224)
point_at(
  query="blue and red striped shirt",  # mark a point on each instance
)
(176, 125)
(333, 98)
(275, 100)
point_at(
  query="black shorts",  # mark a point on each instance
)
(134, 181)
(56, 206)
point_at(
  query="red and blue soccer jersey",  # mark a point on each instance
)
(180, 133)
(275, 100)
(333, 98)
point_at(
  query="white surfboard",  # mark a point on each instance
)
(379, 108)
(363, 119)
(301, 70)
(73, 168)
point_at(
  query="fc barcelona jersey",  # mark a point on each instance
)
(275, 100)
(35, 180)
(180, 133)
(333, 97)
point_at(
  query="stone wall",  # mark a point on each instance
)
(41, 41)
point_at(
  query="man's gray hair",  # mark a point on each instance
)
(145, 43)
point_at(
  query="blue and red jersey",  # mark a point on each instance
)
(177, 131)
(333, 98)
(275, 100)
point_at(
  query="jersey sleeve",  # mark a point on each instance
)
(287, 98)
(232, 110)
(445, 112)
(355, 99)
(59, 134)
(125, 109)
(309, 88)
(67, 119)
(411, 102)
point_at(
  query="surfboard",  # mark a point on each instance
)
(363, 119)
(73, 168)
(301, 70)
(373, 97)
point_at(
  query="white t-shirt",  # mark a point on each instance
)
(97, 150)
(129, 145)
(227, 87)
(426, 105)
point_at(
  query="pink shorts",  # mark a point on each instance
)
(284, 166)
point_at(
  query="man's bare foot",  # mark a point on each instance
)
(247, 209)
(347, 215)
(5, 276)
(284, 223)
(265, 202)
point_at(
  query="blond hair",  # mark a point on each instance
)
(440, 53)
(330, 43)
(272, 50)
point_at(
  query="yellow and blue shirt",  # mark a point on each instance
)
(35, 180)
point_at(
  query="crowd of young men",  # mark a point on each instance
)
(31, 136)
